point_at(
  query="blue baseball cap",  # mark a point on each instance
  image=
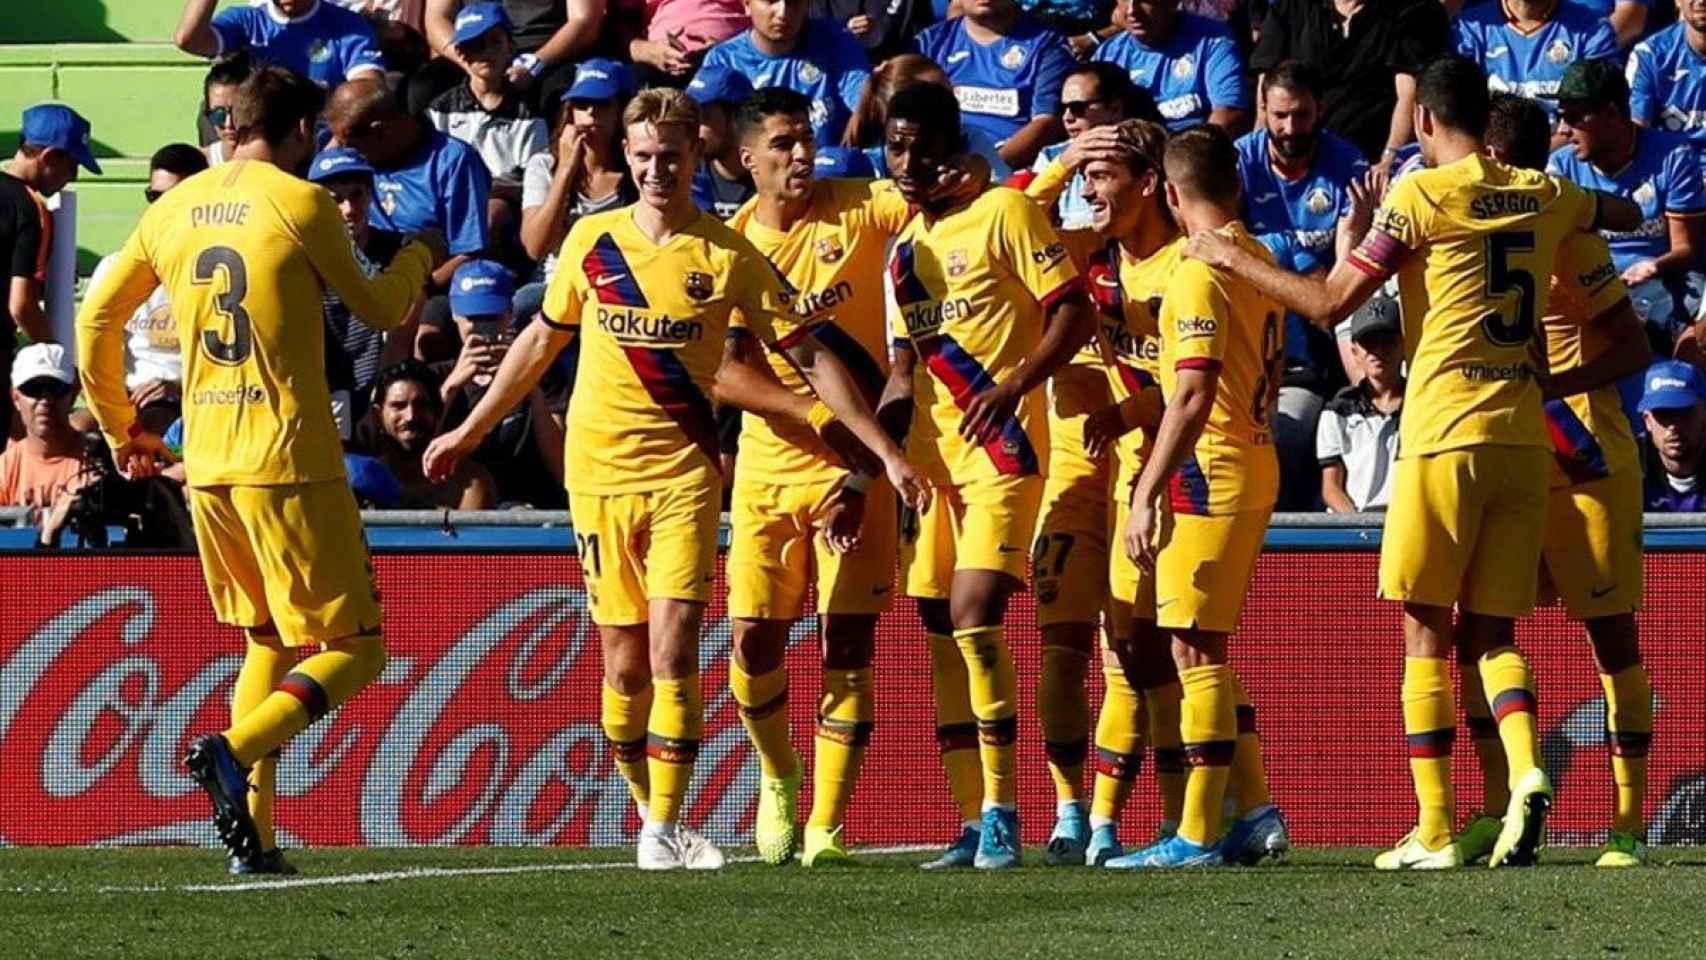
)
(477, 19)
(481, 288)
(842, 162)
(600, 79)
(57, 125)
(1672, 385)
(336, 162)
(372, 481)
(715, 83)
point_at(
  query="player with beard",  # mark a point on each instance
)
(247, 250)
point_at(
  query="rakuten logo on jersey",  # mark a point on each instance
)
(644, 329)
(925, 319)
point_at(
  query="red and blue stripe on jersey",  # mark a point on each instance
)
(1578, 453)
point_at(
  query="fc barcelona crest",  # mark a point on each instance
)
(956, 262)
(698, 285)
(829, 249)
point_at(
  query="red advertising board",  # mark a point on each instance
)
(484, 726)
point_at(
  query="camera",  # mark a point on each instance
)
(150, 511)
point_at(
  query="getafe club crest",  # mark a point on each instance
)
(829, 249)
(698, 285)
(956, 262)
(1013, 58)
(1185, 68)
(1318, 201)
(810, 73)
(1644, 194)
(1559, 52)
(319, 52)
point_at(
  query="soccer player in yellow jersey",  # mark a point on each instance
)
(1126, 255)
(990, 306)
(246, 251)
(1201, 504)
(1591, 554)
(799, 514)
(663, 297)
(1471, 241)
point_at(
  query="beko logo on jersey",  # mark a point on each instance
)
(1490, 205)
(816, 301)
(632, 325)
(251, 393)
(926, 318)
(1598, 275)
(1049, 254)
(1189, 327)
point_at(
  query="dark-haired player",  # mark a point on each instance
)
(1472, 241)
(989, 306)
(246, 250)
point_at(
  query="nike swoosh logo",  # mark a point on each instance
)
(1600, 593)
(605, 280)
(957, 56)
(1162, 603)
(1104, 281)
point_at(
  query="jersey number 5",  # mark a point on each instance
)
(1501, 279)
(228, 303)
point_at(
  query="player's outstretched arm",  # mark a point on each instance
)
(128, 281)
(528, 357)
(835, 386)
(1181, 424)
(1068, 324)
(383, 301)
(1323, 301)
(1630, 353)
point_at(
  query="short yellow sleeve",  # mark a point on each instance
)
(889, 211)
(1027, 241)
(1197, 316)
(565, 293)
(1579, 208)
(1584, 267)
(760, 298)
(1400, 226)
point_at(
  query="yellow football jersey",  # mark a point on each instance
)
(652, 320)
(245, 252)
(833, 258)
(972, 288)
(1213, 320)
(1136, 346)
(1591, 435)
(1081, 387)
(1472, 243)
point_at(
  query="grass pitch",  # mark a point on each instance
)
(176, 904)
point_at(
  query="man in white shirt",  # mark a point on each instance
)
(1356, 439)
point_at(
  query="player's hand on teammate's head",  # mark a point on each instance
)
(433, 239)
(1096, 143)
(444, 454)
(143, 455)
(961, 183)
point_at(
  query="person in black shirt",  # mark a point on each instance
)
(1368, 53)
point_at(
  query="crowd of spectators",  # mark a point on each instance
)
(498, 124)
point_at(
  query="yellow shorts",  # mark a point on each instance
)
(1592, 553)
(985, 524)
(1128, 583)
(776, 543)
(1465, 528)
(1069, 561)
(638, 547)
(293, 555)
(1203, 568)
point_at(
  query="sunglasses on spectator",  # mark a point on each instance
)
(219, 116)
(1574, 116)
(45, 389)
(1077, 107)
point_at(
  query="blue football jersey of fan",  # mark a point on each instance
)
(827, 65)
(1003, 85)
(1667, 85)
(328, 44)
(1663, 180)
(1196, 70)
(444, 185)
(1531, 64)
(1602, 8)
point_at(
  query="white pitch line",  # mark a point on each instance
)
(427, 873)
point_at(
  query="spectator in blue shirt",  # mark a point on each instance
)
(1296, 178)
(783, 48)
(1525, 45)
(1656, 169)
(421, 177)
(1667, 78)
(322, 41)
(1628, 18)
(1007, 70)
(1673, 406)
(1189, 64)
(865, 129)
(721, 184)
(1094, 95)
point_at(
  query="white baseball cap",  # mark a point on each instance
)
(43, 360)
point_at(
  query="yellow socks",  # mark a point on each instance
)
(1208, 730)
(1430, 727)
(956, 726)
(1629, 732)
(1163, 704)
(672, 744)
(1249, 774)
(264, 664)
(764, 712)
(1510, 691)
(844, 722)
(994, 700)
(624, 717)
(317, 686)
(1119, 747)
(1489, 752)
(1065, 716)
